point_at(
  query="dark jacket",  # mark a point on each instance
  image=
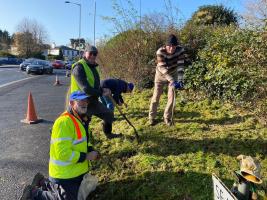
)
(116, 86)
(80, 76)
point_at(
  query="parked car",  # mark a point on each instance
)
(13, 61)
(19, 61)
(58, 64)
(3, 60)
(25, 63)
(40, 67)
(10, 61)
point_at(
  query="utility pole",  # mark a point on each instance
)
(80, 19)
(94, 20)
(140, 34)
(80, 24)
(140, 20)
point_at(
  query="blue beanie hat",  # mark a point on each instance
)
(78, 95)
(131, 86)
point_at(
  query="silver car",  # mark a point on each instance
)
(40, 67)
(25, 63)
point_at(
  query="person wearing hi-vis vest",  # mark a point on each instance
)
(70, 154)
(85, 77)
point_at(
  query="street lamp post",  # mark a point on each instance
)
(94, 20)
(80, 6)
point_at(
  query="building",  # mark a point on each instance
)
(68, 53)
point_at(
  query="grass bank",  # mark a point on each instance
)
(176, 162)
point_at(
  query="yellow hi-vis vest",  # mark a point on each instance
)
(89, 75)
(68, 139)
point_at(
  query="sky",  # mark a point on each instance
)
(61, 20)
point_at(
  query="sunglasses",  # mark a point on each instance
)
(93, 54)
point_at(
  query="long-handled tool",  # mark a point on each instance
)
(120, 111)
(173, 106)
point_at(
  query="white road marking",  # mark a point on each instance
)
(17, 81)
(2, 70)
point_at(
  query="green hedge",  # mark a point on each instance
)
(230, 65)
(128, 55)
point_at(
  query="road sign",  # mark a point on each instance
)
(221, 192)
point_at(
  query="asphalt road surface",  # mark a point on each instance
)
(24, 149)
(11, 74)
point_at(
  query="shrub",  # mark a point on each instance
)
(230, 65)
(6, 54)
(195, 38)
(214, 15)
(197, 30)
(128, 56)
(38, 55)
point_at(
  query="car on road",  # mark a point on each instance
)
(58, 64)
(3, 60)
(25, 63)
(40, 67)
(10, 61)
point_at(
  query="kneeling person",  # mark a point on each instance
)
(70, 153)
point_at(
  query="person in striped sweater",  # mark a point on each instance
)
(169, 71)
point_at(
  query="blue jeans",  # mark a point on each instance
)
(107, 102)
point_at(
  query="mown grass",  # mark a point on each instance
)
(175, 162)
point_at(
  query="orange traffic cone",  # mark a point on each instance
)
(31, 117)
(57, 81)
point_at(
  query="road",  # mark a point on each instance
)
(11, 74)
(24, 149)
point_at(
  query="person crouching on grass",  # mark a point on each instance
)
(117, 87)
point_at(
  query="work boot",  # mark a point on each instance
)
(152, 122)
(107, 128)
(27, 193)
(38, 179)
(168, 122)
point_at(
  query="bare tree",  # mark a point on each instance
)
(154, 22)
(30, 37)
(23, 42)
(138, 36)
(256, 13)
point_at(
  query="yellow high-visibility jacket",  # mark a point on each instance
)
(68, 140)
(89, 75)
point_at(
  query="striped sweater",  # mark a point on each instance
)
(168, 64)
